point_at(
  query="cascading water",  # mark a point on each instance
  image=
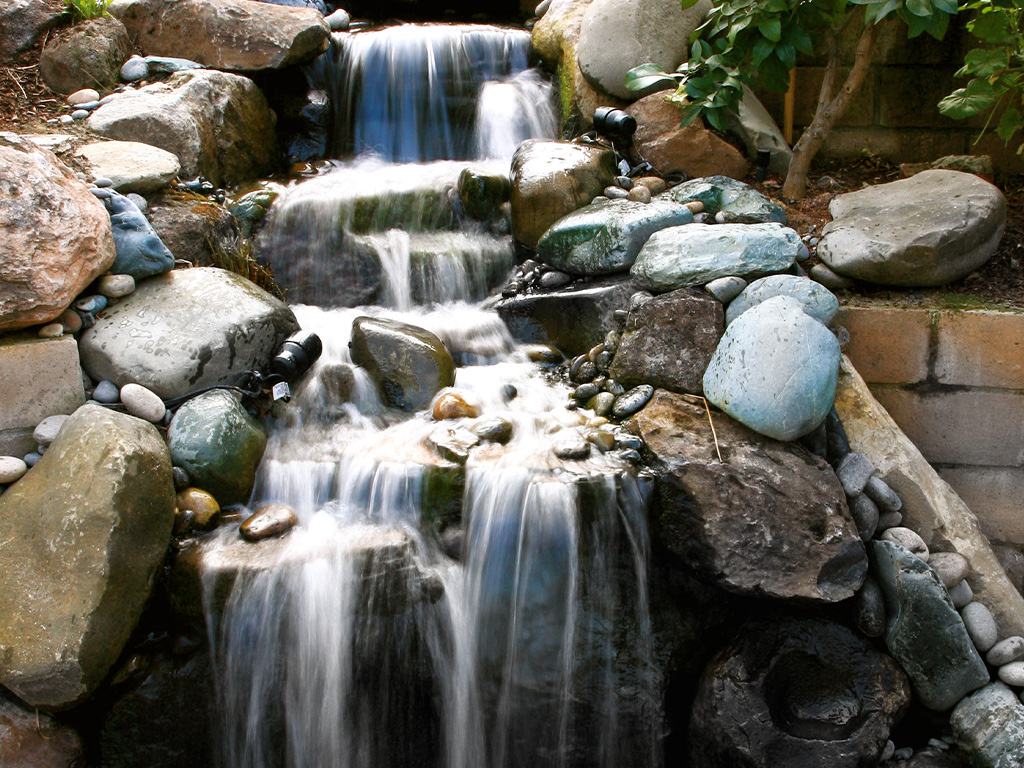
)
(424, 613)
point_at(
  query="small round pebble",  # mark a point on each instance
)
(80, 114)
(632, 401)
(615, 193)
(139, 200)
(180, 477)
(572, 450)
(554, 279)
(271, 520)
(961, 595)
(134, 69)
(103, 182)
(508, 392)
(51, 331)
(889, 520)
(31, 459)
(142, 403)
(338, 21)
(1012, 674)
(883, 496)
(624, 181)
(116, 286)
(695, 206)
(871, 609)
(102, 194)
(865, 514)
(83, 96)
(11, 469)
(903, 753)
(725, 289)
(909, 539)
(822, 274)
(91, 304)
(71, 321)
(47, 429)
(888, 752)
(202, 504)
(952, 567)
(640, 195)
(1005, 651)
(66, 120)
(981, 625)
(106, 392)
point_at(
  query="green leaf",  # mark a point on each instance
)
(946, 6)
(786, 54)
(919, 7)
(699, 87)
(762, 50)
(688, 3)
(771, 28)
(1009, 124)
(717, 118)
(978, 96)
(648, 75)
(983, 62)
(992, 27)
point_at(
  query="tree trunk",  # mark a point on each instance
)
(829, 109)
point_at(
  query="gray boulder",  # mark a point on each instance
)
(931, 229)
(759, 132)
(139, 250)
(738, 521)
(617, 35)
(85, 532)
(923, 630)
(215, 440)
(669, 340)
(606, 236)
(54, 234)
(194, 229)
(696, 254)
(738, 203)
(88, 55)
(795, 694)
(816, 300)
(185, 330)
(131, 165)
(23, 21)
(409, 364)
(989, 727)
(236, 35)
(217, 124)
(551, 179)
(775, 370)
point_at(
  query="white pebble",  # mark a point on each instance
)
(51, 331)
(11, 469)
(961, 594)
(142, 402)
(981, 625)
(1005, 651)
(1012, 674)
(952, 567)
(116, 286)
(909, 539)
(47, 429)
(83, 96)
(338, 21)
(725, 289)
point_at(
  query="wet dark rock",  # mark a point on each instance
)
(735, 522)
(196, 230)
(794, 694)
(494, 429)
(989, 727)
(409, 364)
(865, 513)
(584, 371)
(453, 444)
(204, 508)
(454, 405)
(267, 522)
(181, 481)
(854, 471)
(669, 340)
(31, 739)
(871, 609)
(585, 392)
(924, 632)
(573, 319)
(572, 449)
(482, 193)
(632, 401)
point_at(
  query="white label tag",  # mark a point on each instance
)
(281, 391)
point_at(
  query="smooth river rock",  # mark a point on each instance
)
(85, 533)
(816, 300)
(796, 693)
(989, 727)
(738, 203)
(738, 522)
(605, 237)
(139, 250)
(931, 229)
(775, 370)
(131, 165)
(923, 630)
(696, 254)
(185, 330)
(54, 234)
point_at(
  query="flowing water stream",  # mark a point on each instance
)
(425, 613)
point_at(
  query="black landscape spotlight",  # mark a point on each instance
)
(298, 352)
(618, 127)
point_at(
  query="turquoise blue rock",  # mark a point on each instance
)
(924, 633)
(989, 727)
(605, 237)
(138, 250)
(738, 203)
(696, 254)
(215, 440)
(817, 300)
(775, 370)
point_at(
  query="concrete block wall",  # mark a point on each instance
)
(954, 382)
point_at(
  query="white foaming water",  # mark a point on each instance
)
(511, 111)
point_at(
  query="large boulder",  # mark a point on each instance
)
(215, 440)
(775, 370)
(239, 35)
(989, 727)
(194, 229)
(23, 21)
(54, 234)
(574, 319)
(88, 55)
(793, 694)
(668, 341)
(672, 148)
(131, 165)
(85, 532)
(923, 629)
(817, 300)
(930, 506)
(617, 35)
(217, 124)
(606, 236)
(931, 229)
(731, 201)
(696, 254)
(185, 330)
(551, 179)
(769, 519)
(409, 364)
(759, 132)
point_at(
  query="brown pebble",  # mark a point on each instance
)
(71, 321)
(452, 405)
(271, 520)
(653, 183)
(51, 331)
(640, 194)
(695, 206)
(205, 507)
